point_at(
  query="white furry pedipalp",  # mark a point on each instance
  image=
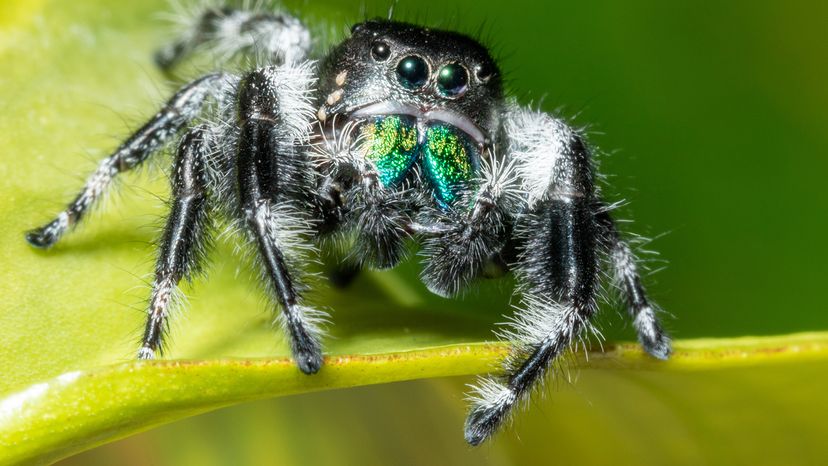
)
(501, 179)
(339, 146)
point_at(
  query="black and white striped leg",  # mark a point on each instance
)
(557, 265)
(262, 217)
(264, 174)
(560, 269)
(300, 322)
(226, 31)
(185, 235)
(178, 112)
(651, 334)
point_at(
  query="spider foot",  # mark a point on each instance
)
(309, 360)
(652, 337)
(490, 405)
(46, 236)
(146, 354)
(303, 325)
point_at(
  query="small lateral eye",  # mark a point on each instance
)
(380, 51)
(412, 72)
(452, 80)
(484, 72)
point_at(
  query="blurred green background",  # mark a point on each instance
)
(710, 118)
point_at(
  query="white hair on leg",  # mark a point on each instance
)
(293, 86)
(225, 30)
(538, 142)
(312, 320)
(490, 394)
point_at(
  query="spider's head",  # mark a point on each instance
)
(388, 67)
(420, 97)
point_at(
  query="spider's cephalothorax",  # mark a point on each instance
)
(409, 117)
(399, 132)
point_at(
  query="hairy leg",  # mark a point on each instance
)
(227, 31)
(183, 242)
(268, 174)
(651, 335)
(177, 113)
(560, 271)
(557, 268)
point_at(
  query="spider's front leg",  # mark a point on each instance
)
(185, 234)
(562, 231)
(557, 267)
(274, 112)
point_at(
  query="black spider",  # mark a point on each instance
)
(399, 132)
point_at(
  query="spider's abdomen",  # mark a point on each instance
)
(447, 156)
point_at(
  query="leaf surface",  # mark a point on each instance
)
(77, 76)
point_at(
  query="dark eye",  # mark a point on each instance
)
(412, 71)
(484, 72)
(452, 80)
(380, 51)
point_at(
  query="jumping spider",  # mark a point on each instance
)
(398, 132)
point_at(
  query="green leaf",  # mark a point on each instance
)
(76, 77)
(81, 409)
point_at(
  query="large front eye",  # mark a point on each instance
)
(412, 72)
(452, 80)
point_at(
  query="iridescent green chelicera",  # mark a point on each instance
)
(447, 162)
(391, 145)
